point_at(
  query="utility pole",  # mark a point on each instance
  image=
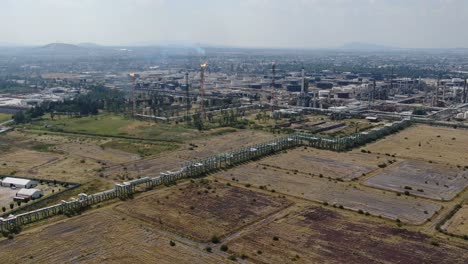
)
(202, 89)
(464, 92)
(187, 94)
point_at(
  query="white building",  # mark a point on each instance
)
(18, 183)
(29, 194)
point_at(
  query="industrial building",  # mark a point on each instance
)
(18, 183)
(28, 194)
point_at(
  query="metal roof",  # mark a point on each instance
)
(27, 192)
(16, 181)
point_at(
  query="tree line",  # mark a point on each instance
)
(98, 98)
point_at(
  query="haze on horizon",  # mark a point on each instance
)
(242, 23)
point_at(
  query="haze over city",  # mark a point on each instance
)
(244, 23)
(234, 131)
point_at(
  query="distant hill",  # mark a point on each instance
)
(361, 46)
(60, 47)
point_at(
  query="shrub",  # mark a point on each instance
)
(275, 238)
(360, 211)
(172, 243)
(259, 252)
(382, 165)
(215, 239)
(224, 248)
(208, 249)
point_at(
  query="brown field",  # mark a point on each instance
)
(346, 166)
(99, 237)
(319, 235)
(458, 224)
(202, 209)
(97, 153)
(70, 169)
(19, 160)
(199, 149)
(376, 202)
(224, 143)
(422, 179)
(438, 144)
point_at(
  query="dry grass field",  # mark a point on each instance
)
(19, 160)
(100, 237)
(458, 224)
(70, 168)
(345, 166)
(320, 235)
(97, 153)
(435, 144)
(203, 209)
(350, 195)
(422, 179)
(195, 150)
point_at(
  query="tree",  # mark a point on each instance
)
(21, 118)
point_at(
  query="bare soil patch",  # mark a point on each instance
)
(202, 209)
(350, 195)
(319, 235)
(422, 179)
(345, 166)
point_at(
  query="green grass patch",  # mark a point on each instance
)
(112, 125)
(143, 149)
(5, 117)
(42, 147)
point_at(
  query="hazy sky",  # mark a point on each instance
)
(250, 23)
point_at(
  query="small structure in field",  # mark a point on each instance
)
(18, 183)
(29, 194)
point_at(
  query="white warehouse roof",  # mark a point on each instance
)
(27, 192)
(15, 181)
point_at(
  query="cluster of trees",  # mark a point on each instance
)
(84, 104)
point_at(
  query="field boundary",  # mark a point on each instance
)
(202, 167)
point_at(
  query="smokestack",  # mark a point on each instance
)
(303, 81)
